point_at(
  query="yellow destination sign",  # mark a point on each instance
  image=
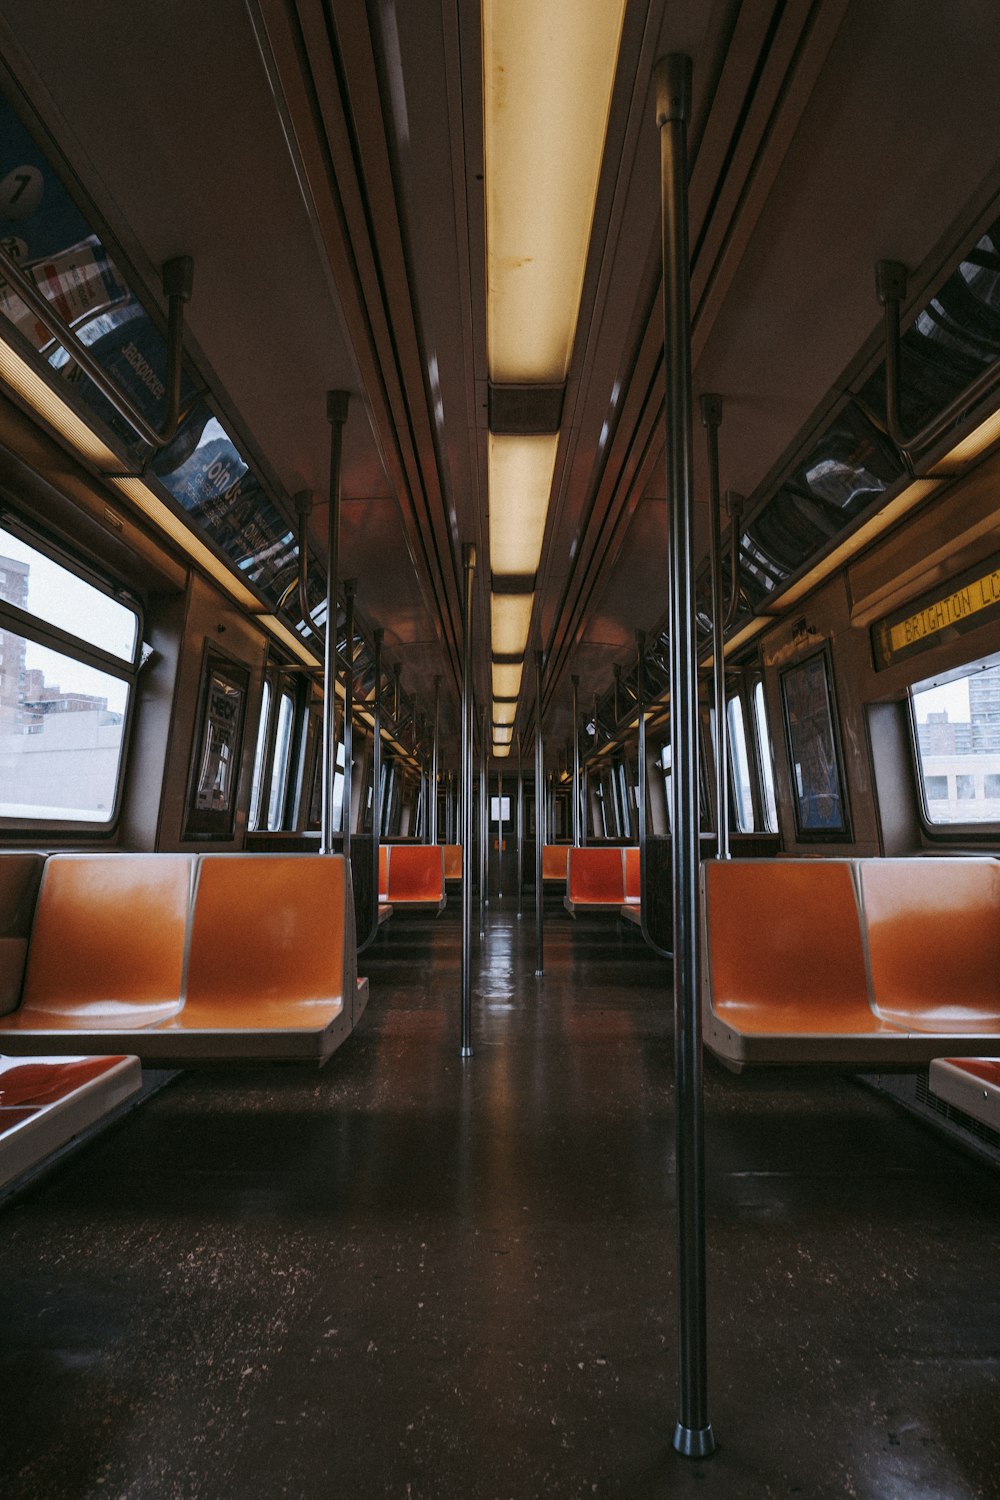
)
(982, 593)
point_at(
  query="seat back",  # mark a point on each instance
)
(416, 873)
(452, 861)
(784, 947)
(383, 871)
(633, 887)
(595, 876)
(933, 928)
(268, 931)
(554, 861)
(108, 937)
(20, 875)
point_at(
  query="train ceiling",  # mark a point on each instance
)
(323, 163)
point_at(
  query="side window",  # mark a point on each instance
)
(281, 760)
(260, 757)
(69, 657)
(740, 765)
(765, 757)
(956, 738)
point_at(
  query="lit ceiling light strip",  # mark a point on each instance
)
(60, 417)
(548, 72)
(55, 412)
(510, 620)
(507, 679)
(520, 481)
(143, 497)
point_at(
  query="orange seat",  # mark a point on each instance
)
(46, 1101)
(271, 963)
(934, 942)
(785, 977)
(554, 861)
(416, 876)
(452, 861)
(383, 871)
(107, 949)
(595, 879)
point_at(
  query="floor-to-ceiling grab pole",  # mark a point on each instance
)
(433, 838)
(465, 802)
(347, 785)
(484, 729)
(693, 1433)
(378, 635)
(336, 411)
(576, 761)
(539, 818)
(711, 417)
(520, 830)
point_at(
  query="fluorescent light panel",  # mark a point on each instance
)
(548, 71)
(504, 714)
(510, 620)
(500, 752)
(520, 481)
(507, 679)
(502, 734)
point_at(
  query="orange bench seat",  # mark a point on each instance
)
(415, 876)
(45, 1102)
(631, 907)
(554, 861)
(452, 861)
(813, 961)
(595, 879)
(191, 958)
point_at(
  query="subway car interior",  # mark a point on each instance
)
(539, 1036)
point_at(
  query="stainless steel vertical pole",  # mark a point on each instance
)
(576, 762)
(336, 411)
(539, 819)
(711, 417)
(347, 786)
(465, 803)
(520, 830)
(693, 1433)
(434, 762)
(377, 773)
(484, 823)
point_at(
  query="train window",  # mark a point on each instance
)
(665, 764)
(765, 756)
(499, 809)
(957, 737)
(260, 756)
(68, 660)
(740, 765)
(281, 761)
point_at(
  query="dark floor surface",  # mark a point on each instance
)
(411, 1276)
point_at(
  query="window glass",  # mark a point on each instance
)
(260, 755)
(740, 764)
(61, 734)
(765, 757)
(499, 809)
(33, 582)
(665, 764)
(957, 734)
(337, 811)
(280, 763)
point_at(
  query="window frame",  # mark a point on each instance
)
(39, 632)
(965, 834)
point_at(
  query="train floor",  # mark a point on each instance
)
(413, 1276)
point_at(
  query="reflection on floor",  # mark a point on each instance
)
(412, 1276)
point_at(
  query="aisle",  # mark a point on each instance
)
(413, 1276)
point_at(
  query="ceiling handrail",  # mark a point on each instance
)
(178, 276)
